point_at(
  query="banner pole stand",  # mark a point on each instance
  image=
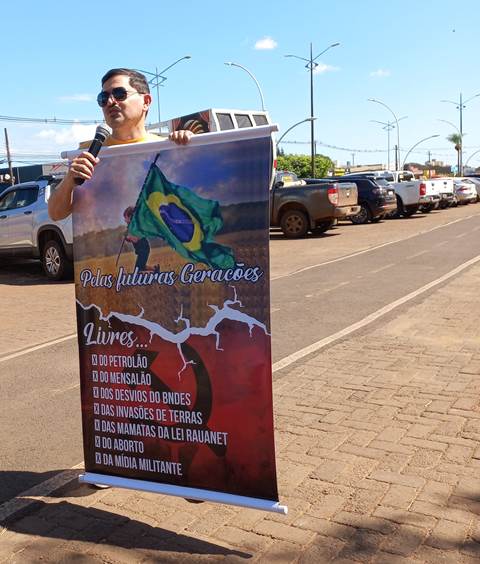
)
(180, 491)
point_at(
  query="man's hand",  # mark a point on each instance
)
(181, 137)
(82, 166)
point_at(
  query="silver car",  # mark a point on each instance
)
(465, 190)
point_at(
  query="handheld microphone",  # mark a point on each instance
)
(102, 133)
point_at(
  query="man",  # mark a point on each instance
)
(125, 100)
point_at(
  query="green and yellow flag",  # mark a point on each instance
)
(187, 222)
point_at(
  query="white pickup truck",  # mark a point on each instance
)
(437, 193)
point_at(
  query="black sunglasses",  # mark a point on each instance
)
(119, 93)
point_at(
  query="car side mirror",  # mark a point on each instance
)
(279, 184)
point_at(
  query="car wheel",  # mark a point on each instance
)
(294, 224)
(56, 265)
(323, 226)
(363, 216)
(408, 213)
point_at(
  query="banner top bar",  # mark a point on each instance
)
(165, 144)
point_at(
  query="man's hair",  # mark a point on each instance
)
(136, 79)
(129, 212)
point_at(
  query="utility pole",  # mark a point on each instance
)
(396, 156)
(429, 164)
(9, 158)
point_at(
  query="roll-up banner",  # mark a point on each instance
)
(173, 311)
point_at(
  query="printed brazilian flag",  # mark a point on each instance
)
(187, 222)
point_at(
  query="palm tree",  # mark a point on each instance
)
(456, 139)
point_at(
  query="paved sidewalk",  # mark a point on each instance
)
(378, 448)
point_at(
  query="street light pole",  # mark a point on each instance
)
(388, 127)
(311, 65)
(290, 128)
(397, 151)
(230, 64)
(460, 105)
(156, 82)
(416, 144)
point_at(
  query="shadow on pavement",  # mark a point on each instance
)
(69, 522)
(24, 272)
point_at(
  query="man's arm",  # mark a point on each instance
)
(60, 201)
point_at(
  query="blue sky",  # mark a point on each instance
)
(410, 54)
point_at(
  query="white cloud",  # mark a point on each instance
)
(265, 44)
(321, 68)
(380, 73)
(76, 98)
(70, 136)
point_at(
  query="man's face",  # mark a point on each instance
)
(119, 114)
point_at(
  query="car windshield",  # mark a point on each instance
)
(381, 181)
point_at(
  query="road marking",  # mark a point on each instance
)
(374, 248)
(63, 390)
(38, 347)
(417, 254)
(315, 347)
(24, 499)
(383, 268)
(461, 235)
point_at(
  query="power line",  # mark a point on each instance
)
(54, 120)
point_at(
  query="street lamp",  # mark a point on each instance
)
(294, 125)
(311, 65)
(416, 144)
(397, 152)
(472, 155)
(230, 64)
(158, 79)
(388, 127)
(460, 105)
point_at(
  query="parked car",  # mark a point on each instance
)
(313, 206)
(375, 200)
(407, 189)
(465, 190)
(476, 181)
(26, 230)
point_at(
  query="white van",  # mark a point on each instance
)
(216, 119)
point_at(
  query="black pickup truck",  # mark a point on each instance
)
(375, 197)
(298, 207)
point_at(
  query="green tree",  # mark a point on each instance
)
(301, 165)
(456, 139)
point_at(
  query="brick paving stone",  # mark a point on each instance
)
(400, 496)
(448, 535)
(425, 443)
(400, 479)
(405, 517)
(283, 532)
(362, 546)
(321, 550)
(439, 512)
(468, 487)
(364, 522)
(324, 527)
(405, 540)
(280, 553)
(436, 492)
(246, 540)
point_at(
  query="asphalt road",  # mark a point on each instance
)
(347, 274)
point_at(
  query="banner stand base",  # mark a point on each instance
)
(180, 491)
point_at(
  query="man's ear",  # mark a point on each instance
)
(147, 100)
